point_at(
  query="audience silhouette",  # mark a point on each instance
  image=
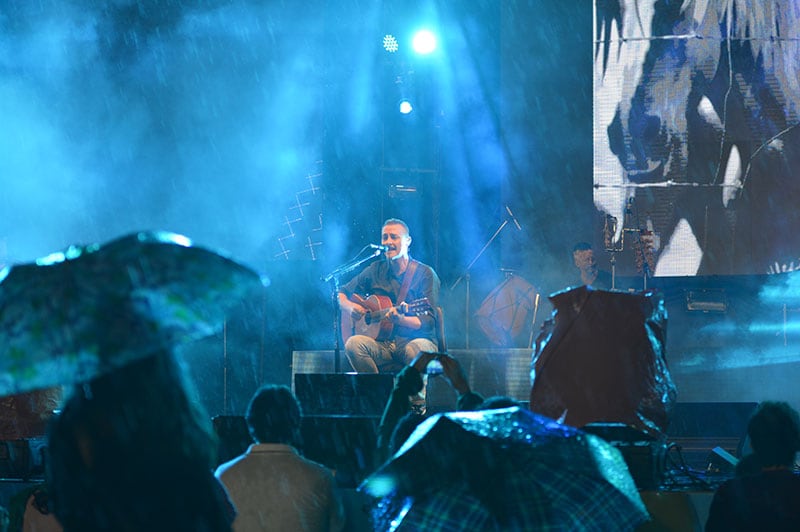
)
(272, 486)
(130, 451)
(399, 421)
(765, 494)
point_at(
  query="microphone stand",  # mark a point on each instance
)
(334, 278)
(465, 277)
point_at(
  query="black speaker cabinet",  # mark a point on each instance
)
(343, 394)
(345, 444)
(643, 454)
(697, 428)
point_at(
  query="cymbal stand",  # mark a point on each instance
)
(609, 232)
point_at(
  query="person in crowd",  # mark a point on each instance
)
(410, 421)
(129, 451)
(498, 401)
(407, 384)
(388, 286)
(271, 485)
(765, 495)
(399, 418)
(30, 510)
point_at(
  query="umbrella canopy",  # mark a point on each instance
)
(75, 315)
(505, 469)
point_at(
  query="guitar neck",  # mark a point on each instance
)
(381, 313)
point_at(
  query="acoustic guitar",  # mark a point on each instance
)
(374, 323)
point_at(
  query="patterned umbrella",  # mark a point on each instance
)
(76, 315)
(505, 469)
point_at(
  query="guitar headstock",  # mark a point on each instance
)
(419, 307)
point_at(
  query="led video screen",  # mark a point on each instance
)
(696, 138)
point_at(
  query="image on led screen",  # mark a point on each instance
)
(696, 138)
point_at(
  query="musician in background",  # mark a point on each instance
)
(645, 247)
(397, 279)
(590, 274)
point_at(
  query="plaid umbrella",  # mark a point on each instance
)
(75, 315)
(505, 469)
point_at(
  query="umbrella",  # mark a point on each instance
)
(504, 469)
(78, 314)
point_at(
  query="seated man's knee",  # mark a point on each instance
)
(415, 347)
(350, 344)
(355, 344)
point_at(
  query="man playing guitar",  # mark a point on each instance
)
(390, 284)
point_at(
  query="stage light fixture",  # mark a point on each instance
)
(424, 42)
(405, 106)
(390, 43)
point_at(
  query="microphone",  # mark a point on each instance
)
(379, 246)
(513, 219)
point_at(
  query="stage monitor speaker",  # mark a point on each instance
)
(643, 454)
(343, 394)
(699, 428)
(347, 445)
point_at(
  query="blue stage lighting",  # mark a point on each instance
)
(390, 43)
(405, 107)
(424, 42)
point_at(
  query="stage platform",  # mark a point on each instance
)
(489, 372)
